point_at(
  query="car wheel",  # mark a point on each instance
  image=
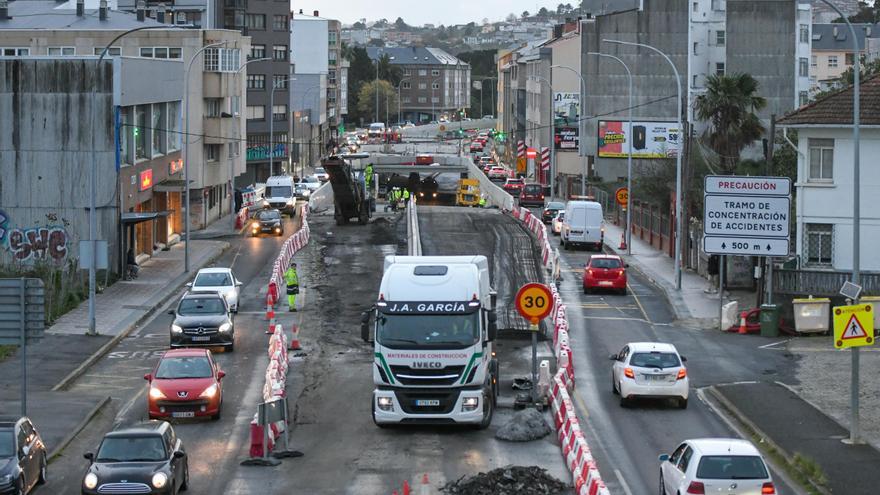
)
(682, 403)
(623, 291)
(624, 402)
(44, 476)
(230, 348)
(662, 485)
(586, 290)
(614, 386)
(185, 485)
(488, 412)
(22, 483)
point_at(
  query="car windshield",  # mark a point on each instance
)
(312, 179)
(604, 263)
(268, 215)
(184, 367)
(212, 279)
(515, 182)
(201, 306)
(532, 189)
(278, 192)
(555, 206)
(654, 360)
(7, 446)
(132, 449)
(732, 467)
(428, 330)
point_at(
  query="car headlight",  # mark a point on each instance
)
(155, 393)
(90, 481)
(176, 329)
(225, 327)
(159, 480)
(470, 403)
(209, 392)
(385, 403)
(291, 201)
(6, 479)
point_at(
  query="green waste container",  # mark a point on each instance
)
(769, 320)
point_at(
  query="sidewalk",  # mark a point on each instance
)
(222, 227)
(802, 429)
(66, 352)
(689, 303)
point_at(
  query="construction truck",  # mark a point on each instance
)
(350, 196)
(468, 192)
(434, 327)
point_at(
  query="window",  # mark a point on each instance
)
(256, 22)
(139, 132)
(213, 107)
(157, 129)
(719, 68)
(803, 67)
(435, 99)
(331, 76)
(256, 81)
(15, 52)
(696, 6)
(695, 47)
(819, 243)
(279, 112)
(804, 33)
(832, 61)
(256, 112)
(803, 98)
(61, 51)
(160, 52)
(848, 59)
(821, 160)
(113, 51)
(423, 85)
(423, 72)
(685, 459)
(279, 23)
(436, 85)
(279, 52)
(423, 99)
(212, 152)
(331, 57)
(407, 99)
(405, 85)
(279, 81)
(173, 126)
(407, 72)
(234, 104)
(124, 142)
(694, 82)
(222, 60)
(435, 72)
(258, 51)
(813, 61)
(331, 38)
(720, 38)
(234, 149)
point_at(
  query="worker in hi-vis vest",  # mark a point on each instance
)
(292, 281)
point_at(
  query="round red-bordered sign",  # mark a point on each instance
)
(534, 302)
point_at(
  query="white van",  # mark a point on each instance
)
(280, 193)
(584, 223)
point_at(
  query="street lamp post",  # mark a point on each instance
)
(679, 221)
(275, 85)
(186, 152)
(238, 132)
(399, 84)
(629, 158)
(552, 132)
(581, 133)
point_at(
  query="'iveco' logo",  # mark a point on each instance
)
(427, 365)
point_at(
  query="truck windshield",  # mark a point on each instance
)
(406, 331)
(278, 192)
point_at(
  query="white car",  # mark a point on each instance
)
(649, 370)
(556, 223)
(715, 465)
(322, 174)
(312, 182)
(221, 280)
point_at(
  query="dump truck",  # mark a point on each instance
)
(351, 200)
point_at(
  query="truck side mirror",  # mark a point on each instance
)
(365, 326)
(493, 325)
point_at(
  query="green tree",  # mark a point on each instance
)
(388, 71)
(511, 17)
(543, 13)
(360, 71)
(729, 104)
(366, 100)
(525, 13)
(401, 24)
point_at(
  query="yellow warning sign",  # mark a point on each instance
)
(853, 326)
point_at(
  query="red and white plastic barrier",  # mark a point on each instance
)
(290, 247)
(575, 450)
(241, 218)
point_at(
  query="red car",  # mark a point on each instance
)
(186, 383)
(605, 271)
(532, 195)
(514, 187)
(476, 147)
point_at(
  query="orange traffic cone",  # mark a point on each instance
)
(294, 342)
(622, 241)
(270, 314)
(742, 323)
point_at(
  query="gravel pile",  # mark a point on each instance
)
(510, 480)
(524, 426)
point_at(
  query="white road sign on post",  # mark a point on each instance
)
(748, 216)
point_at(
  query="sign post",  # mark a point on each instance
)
(534, 302)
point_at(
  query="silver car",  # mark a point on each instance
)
(221, 280)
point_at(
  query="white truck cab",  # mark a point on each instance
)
(280, 193)
(434, 328)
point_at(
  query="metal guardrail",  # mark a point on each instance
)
(820, 282)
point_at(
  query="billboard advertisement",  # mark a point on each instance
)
(566, 138)
(649, 139)
(566, 108)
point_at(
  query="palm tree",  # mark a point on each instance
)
(729, 104)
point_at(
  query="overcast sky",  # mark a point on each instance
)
(418, 12)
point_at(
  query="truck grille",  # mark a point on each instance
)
(427, 377)
(408, 398)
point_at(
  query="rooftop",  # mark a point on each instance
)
(824, 36)
(415, 55)
(52, 15)
(837, 108)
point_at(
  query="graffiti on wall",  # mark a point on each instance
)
(49, 243)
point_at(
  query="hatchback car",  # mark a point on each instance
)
(202, 319)
(312, 182)
(144, 458)
(514, 187)
(497, 172)
(649, 370)
(476, 147)
(532, 195)
(715, 465)
(266, 222)
(605, 271)
(556, 224)
(186, 383)
(550, 211)
(322, 174)
(23, 457)
(220, 280)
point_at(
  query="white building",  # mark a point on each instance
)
(825, 180)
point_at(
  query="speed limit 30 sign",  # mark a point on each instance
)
(534, 302)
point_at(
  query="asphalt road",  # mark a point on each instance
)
(627, 441)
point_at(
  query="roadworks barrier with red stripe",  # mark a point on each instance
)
(575, 451)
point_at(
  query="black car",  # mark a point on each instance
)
(143, 458)
(202, 318)
(22, 457)
(550, 211)
(267, 222)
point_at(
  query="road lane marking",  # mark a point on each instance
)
(622, 481)
(636, 297)
(616, 318)
(120, 417)
(767, 346)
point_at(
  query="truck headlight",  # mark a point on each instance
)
(159, 480)
(90, 481)
(176, 329)
(470, 404)
(225, 327)
(385, 403)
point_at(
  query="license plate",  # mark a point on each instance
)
(606, 282)
(183, 414)
(201, 339)
(656, 378)
(427, 402)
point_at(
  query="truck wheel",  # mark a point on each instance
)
(488, 412)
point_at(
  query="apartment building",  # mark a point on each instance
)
(832, 55)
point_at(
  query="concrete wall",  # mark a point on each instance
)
(57, 117)
(308, 44)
